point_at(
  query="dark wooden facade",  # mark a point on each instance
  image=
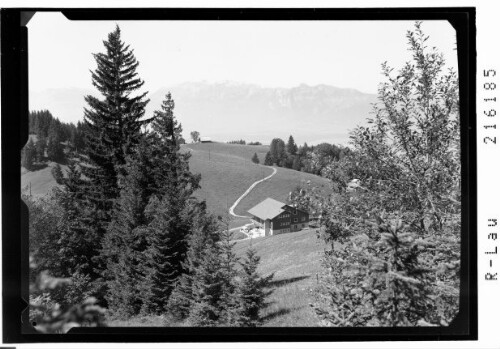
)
(290, 220)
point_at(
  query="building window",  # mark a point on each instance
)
(303, 219)
(295, 220)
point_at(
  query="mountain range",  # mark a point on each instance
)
(230, 111)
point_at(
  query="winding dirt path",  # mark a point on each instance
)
(231, 209)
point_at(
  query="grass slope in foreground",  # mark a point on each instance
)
(295, 260)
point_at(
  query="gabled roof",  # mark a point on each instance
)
(267, 209)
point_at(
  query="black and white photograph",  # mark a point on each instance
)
(242, 173)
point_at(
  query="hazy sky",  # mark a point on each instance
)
(271, 54)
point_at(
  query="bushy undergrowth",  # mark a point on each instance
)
(49, 316)
(393, 222)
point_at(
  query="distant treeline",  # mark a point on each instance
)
(243, 142)
(44, 124)
(311, 159)
(53, 139)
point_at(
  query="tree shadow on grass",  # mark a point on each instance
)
(283, 282)
(275, 314)
(37, 166)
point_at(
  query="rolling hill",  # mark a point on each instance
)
(227, 172)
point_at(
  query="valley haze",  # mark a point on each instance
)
(226, 111)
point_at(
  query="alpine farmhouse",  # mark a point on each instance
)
(277, 218)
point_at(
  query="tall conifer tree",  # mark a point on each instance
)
(207, 289)
(125, 243)
(77, 246)
(229, 300)
(112, 130)
(251, 292)
(204, 233)
(147, 238)
(255, 158)
(291, 147)
(55, 150)
(113, 124)
(170, 224)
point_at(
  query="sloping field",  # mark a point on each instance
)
(226, 173)
(279, 187)
(41, 180)
(295, 260)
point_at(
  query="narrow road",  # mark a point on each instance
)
(231, 209)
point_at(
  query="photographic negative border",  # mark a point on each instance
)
(15, 112)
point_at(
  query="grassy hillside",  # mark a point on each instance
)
(227, 172)
(295, 260)
(278, 187)
(41, 180)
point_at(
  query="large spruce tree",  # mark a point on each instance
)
(55, 150)
(77, 246)
(229, 301)
(125, 243)
(291, 146)
(251, 292)
(146, 242)
(204, 233)
(113, 123)
(170, 218)
(112, 129)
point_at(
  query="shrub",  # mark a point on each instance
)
(255, 158)
(241, 141)
(397, 225)
(50, 317)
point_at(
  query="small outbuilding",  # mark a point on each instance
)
(276, 217)
(205, 140)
